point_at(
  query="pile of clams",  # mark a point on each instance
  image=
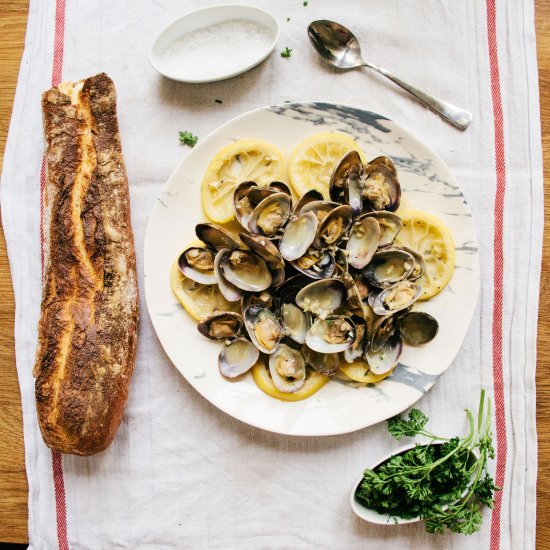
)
(318, 281)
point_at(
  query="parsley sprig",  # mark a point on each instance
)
(187, 138)
(441, 481)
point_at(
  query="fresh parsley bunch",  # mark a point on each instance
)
(441, 481)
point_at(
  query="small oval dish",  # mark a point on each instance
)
(214, 43)
(372, 516)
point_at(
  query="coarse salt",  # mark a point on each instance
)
(218, 50)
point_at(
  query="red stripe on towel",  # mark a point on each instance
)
(498, 261)
(57, 458)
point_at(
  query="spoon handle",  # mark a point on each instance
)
(455, 115)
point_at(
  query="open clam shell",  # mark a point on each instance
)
(390, 224)
(242, 203)
(316, 264)
(322, 297)
(245, 270)
(388, 266)
(287, 368)
(336, 225)
(264, 248)
(350, 164)
(397, 297)
(296, 322)
(357, 348)
(270, 215)
(380, 187)
(216, 236)
(223, 326)
(333, 334)
(363, 241)
(385, 359)
(306, 198)
(229, 291)
(382, 330)
(298, 236)
(263, 327)
(197, 263)
(237, 358)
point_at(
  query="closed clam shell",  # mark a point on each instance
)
(418, 328)
(237, 358)
(287, 368)
(324, 363)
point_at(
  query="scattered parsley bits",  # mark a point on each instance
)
(305, 2)
(287, 52)
(218, 101)
(441, 481)
(187, 138)
(288, 19)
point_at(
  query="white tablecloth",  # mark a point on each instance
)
(181, 474)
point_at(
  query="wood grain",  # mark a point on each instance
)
(13, 481)
(543, 347)
(13, 484)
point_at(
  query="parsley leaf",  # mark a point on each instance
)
(441, 481)
(187, 138)
(287, 52)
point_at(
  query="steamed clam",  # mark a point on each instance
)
(287, 368)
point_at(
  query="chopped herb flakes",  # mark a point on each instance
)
(287, 52)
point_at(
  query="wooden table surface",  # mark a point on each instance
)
(13, 483)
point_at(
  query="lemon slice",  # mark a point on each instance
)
(314, 382)
(431, 237)
(312, 162)
(244, 160)
(359, 371)
(200, 301)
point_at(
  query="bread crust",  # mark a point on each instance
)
(88, 326)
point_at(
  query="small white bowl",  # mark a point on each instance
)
(206, 17)
(372, 516)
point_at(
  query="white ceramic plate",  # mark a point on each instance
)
(426, 183)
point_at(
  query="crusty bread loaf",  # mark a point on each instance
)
(88, 325)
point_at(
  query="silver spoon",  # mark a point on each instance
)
(340, 48)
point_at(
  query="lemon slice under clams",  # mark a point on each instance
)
(200, 301)
(359, 371)
(312, 162)
(314, 382)
(244, 160)
(428, 235)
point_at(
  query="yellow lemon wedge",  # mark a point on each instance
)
(244, 160)
(431, 237)
(314, 382)
(200, 301)
(312, 162)
(359, 371)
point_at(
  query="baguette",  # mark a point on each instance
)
(88, 326)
